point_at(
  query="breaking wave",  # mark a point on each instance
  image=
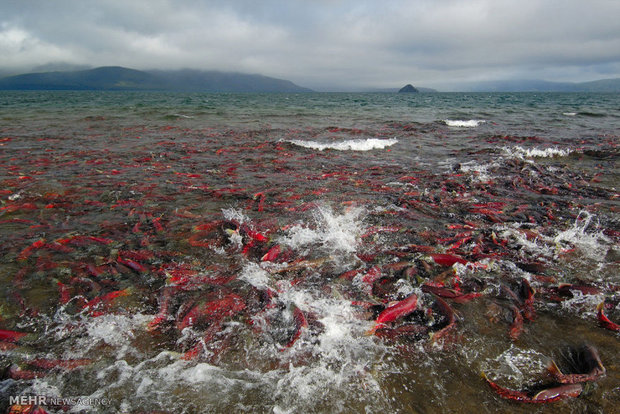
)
(471, 123)
(367, 144)
(520, 152)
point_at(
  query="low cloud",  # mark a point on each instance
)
(323, 44)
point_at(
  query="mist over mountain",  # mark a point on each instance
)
(59, 67)
(603, 85)
(214, 81)
(53, 76)
(124, 79)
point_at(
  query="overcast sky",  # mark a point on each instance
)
(323, 44)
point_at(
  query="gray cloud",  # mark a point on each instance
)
(323, 44)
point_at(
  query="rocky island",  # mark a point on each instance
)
(408, 89)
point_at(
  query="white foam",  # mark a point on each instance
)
(404, 288)
(279, 410)
(471, 123)
(515, 365)
(162, 379)
(367, 144)
(582, 304)
(480, 172)
(336, 233)
(236, 215)
(541, 245)
(520, 152)
(339, 360)
(341, 353)
(569, 113)
(117, 331)
(235, 239)
(255, 276)
(114, 330)
(592, 243)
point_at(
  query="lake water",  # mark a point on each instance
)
(190, 253)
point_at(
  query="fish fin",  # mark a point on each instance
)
(553, 370)
(372, 331)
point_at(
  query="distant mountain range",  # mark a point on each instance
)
(116, 78)
(603, 85)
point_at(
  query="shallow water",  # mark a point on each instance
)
(122, 209)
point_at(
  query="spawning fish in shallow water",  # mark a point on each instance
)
(237, 257)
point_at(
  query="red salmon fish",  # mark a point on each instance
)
(397, 310)
(545, 395)
(605, 321)
(214, 310)
(590, 367)
(11, 336)
(300, 323)
(444, 292)
(444, 259)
